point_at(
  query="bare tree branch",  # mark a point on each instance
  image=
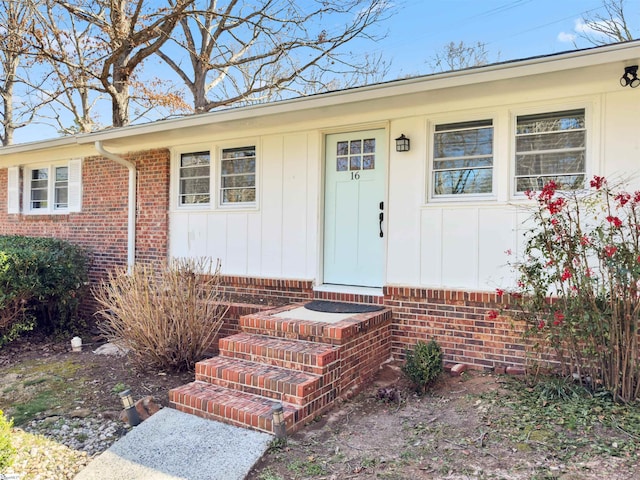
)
(610, 27)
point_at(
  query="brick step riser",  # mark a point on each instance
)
(289, 335)
(287, 360)
(217, 409)
(268, 389)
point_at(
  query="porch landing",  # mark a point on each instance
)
(302, 359)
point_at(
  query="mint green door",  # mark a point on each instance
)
(355, 216)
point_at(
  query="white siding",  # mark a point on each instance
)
(274, 240)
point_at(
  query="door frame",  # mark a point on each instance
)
(322, 167)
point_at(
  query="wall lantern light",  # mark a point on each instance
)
(402, 144)
(630, 77)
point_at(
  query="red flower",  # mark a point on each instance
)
(548, 191)
(492, 314)
(499, 292)
(597, 182)
(515, 295)
(610, 250)
(521, 283)
(622, 198)
(589, 272)
(558, 317)
(584, 240)
(566, 274)
(554, 221)
(615, 220)
(556, 206)
(636, 197)
(541, 325)
(638, 259)
(530, 194)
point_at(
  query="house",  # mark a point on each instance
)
(315, 197)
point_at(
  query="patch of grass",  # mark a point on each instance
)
(24, 412)
(40, 385)
(308, 467)
(35, 381)
(565, 420)
(269, 474)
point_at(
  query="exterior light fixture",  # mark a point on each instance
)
(402, 144)
(279, 428)
(133, 418)
(630, 77)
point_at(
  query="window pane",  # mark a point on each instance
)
(242, 165)
(342, 164)
(39, 188)
(550, 163)
(237, 175)
(342, 148)
(463, 158)
(463, 181)
(355, 147)
(565, 182)
(559, 142)
(194, 178)
(61, 192)
(370, 145)
(463, 163)
(551, 141)
(239, 181)
(464, 143)
(354, 163)
(551, 122)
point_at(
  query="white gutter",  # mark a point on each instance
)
(131, 220)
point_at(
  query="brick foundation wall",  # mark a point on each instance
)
(458, 321)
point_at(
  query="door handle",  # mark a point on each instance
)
(381, 217)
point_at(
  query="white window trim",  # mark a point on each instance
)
(590, 123)
(218, 182)
(175, 177)
(74, 188)
(468, 197)
(215, 158)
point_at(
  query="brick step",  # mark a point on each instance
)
(299, 355)
(269, 381)
(275, 323)
(230, 406)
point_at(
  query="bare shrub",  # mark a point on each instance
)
(168, 317)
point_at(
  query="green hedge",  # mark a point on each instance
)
(42, 281)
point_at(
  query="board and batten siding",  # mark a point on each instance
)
(277, 238)
(458, 243)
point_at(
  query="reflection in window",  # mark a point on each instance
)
(463, 158)
(39, 188)
(238, 175)
(61, 188)
(551, 146)
(356, 155)
(194, 178)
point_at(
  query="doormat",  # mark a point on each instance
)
(341, 307)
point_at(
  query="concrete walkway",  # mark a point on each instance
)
(172, 445)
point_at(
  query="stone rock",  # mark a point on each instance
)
(80, 413)
(111, 349)
(146, 407)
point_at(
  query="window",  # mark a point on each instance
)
(550, 146)
(463, 158)
(47, 188)
(195, 178)
(238, 176)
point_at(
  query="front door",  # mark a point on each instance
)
(354, 208)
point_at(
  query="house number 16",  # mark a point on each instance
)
(355, 175)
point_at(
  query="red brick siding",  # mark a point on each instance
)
(101, 226)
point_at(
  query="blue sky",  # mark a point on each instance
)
(511, 29)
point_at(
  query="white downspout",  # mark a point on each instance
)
(131, 223)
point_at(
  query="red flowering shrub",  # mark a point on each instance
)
(579, 283)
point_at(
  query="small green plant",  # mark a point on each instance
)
(119, 388)
(423, 364)
(7, 451)
(269, 474)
